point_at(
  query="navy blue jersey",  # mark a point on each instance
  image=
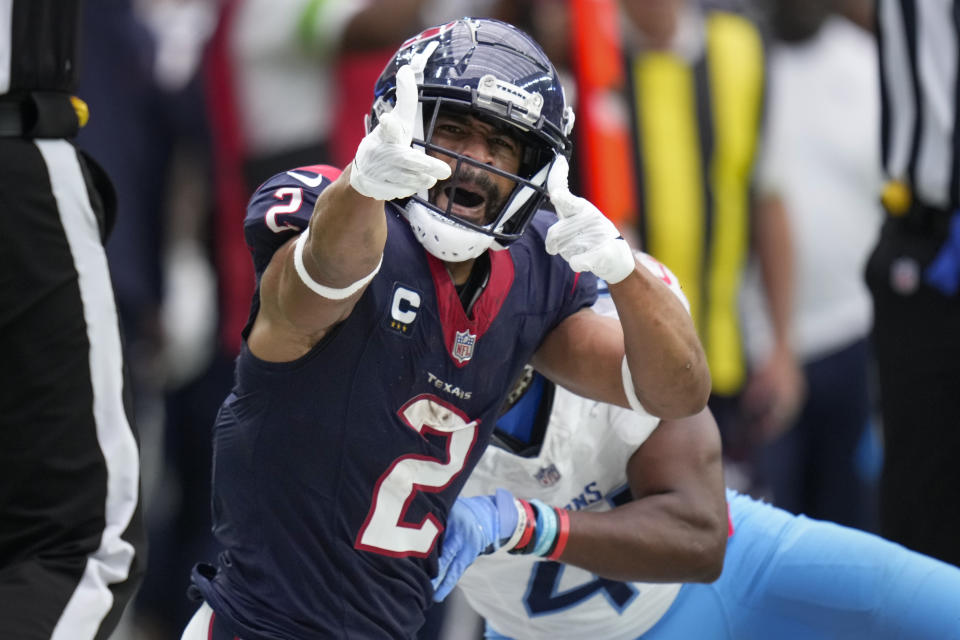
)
(333, 474)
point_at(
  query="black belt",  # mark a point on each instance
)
(38, 114)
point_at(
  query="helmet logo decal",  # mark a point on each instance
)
(433, 32)
(463, 344)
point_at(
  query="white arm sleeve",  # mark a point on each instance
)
(323, 290)
(605, 306)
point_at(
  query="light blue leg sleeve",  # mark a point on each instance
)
(793, 578)
(789, 577)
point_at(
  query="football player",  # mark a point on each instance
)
(396, 302)
(613, 530)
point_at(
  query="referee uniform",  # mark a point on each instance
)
(914, 275)
(71, 551)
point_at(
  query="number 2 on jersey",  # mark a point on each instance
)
(296, 201)
(385, 530)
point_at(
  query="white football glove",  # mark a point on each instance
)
(585, 237)
(386, 166)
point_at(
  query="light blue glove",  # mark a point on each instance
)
(475, 526)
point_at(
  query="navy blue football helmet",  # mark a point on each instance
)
(495, 72)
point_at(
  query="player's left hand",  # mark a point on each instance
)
(586, 238)
(475, 526)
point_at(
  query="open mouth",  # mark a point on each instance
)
(467, 202)
(465, 197)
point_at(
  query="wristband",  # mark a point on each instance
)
(563, 532)
(541, 530)
(519, 530)
(323, 290)
(527, 537)
(546, 527)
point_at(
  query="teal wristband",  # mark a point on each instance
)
(546, 527)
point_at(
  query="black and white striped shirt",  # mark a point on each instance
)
(38, 41)
(919, 44)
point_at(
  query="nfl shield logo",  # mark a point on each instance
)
(463, 343)
(548, 476)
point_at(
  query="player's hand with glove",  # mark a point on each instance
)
(475, 526)
(585, 237)
(483, 524)
(386, 166)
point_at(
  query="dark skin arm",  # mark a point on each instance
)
(584, 352)
(347, 234)
(675, 529)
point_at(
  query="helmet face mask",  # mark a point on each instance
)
(495, 73)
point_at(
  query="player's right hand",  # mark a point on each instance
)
(475, 526)
(386, 166)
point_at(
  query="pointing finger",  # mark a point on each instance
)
(407, 100)
(563, 201)
(557, 179)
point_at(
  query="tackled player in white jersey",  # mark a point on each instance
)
(614, 528)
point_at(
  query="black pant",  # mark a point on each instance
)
(917, 345)
(70, 529)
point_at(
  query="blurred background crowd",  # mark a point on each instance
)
(737, 142)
